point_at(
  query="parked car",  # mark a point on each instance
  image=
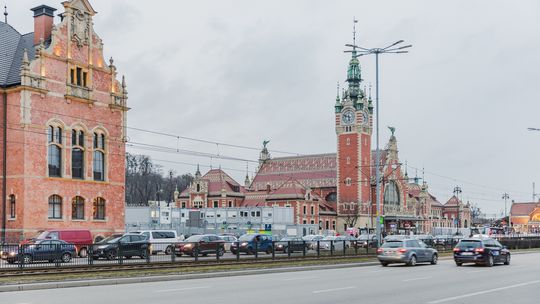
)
(82, 239)
(312, 240)
(248, 243)
(290, 243)
(408, 251)
(160, 240)
(202, 244)
(486, 251)
(126, 246)
(229, 239)
(41, 250)
(333, 243)
(367, 240)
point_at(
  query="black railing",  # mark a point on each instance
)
(66, 255)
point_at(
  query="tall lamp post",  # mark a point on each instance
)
(361, 51)
(457, 192)
(505, 197)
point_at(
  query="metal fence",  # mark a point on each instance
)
(99, 254)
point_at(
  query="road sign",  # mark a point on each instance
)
(268, 227)
(381, 220)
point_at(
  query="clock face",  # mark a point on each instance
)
(365, 118)
(348, 117)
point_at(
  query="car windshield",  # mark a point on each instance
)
(111, 240)
(246, 237)
(392, 244)
(469, 244)
(194, 238)
(287, 238)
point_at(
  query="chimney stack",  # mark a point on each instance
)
(43, 22)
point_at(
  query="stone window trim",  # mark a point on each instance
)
(99, 155)
(55, 207)
(55, 148)
(99, 209)
(79, 76)
(77, 208)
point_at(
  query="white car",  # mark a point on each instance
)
(160, 240)
(334, 241)
(229, 239)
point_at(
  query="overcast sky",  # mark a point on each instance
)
(239, 72)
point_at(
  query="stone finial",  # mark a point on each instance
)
(123, 81)
(25, 61)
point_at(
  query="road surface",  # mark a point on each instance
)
(442, 283)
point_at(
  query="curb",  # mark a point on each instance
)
(147, 279)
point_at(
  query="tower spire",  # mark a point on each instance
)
(353, 72)
(5, 14)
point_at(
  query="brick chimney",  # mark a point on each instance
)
(43, 22)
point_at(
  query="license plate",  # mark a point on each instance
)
(466, 253)
(495, 253)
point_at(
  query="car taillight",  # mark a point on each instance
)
(479, 250)
(457, 250)
(402, 250)
(380, 250)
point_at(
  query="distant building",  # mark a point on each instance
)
(525, 217)
(64, 110)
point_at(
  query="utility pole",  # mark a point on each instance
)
(457, 192)
(505, 197)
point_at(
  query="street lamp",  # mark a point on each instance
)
(505, 197)
(533, 129)
(358, 51)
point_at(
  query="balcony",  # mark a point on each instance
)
(79, 93)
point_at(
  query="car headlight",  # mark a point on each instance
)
(102, 246)
(188, 245)
(12, 253)
(244, 244)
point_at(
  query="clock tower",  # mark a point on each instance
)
(353, 120)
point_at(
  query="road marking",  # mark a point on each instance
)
(475, 271)
(182, 289)
(334, 289)
(417, 279)
(484, 292)
(303, 278)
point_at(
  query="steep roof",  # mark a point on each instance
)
(313, 171)
(219, 180)
(523, 209)
(453, 201)
(12, 45)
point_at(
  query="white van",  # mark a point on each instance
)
(160, 240)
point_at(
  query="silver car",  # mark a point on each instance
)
(408, 251)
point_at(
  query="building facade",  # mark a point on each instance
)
(64, 113)
(525, 217)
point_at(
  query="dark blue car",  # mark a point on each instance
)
(485, 251)
(40, 250)
(249, 243)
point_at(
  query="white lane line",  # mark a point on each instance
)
(334, 289)
(303, 278)
(182, 289)
(475, 271)
(484, 292)
(417, 279)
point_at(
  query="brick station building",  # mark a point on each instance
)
(63, 142)
(337, 191)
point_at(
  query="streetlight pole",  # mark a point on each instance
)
(361, 51)
(457, 192)
(505, 197)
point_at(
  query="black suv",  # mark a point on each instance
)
(484, 251)
(126, 246)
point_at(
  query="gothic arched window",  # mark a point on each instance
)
(99, 157)
(77, 154)
(391, 194)
(54, 139)
(77, 208)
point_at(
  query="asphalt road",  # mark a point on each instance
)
(442, 283)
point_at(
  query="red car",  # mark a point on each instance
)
(203, 244)
(82, 239)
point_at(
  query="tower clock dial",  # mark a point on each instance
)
(348, 117)
(365, 118)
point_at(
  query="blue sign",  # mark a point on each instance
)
(268, 227)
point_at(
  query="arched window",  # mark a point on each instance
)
(77, 154)
(391, 194)
(99, 209)
(198, 188)
(99, 157)
(54, 138)
(55, 207)
(77, 208)
(12, 210)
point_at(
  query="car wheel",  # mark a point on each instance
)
(384, 264)
(412, 261)
(66, 257)
(507, 260)
(459, 264)
(168, 250)
(83, 252)
(268, 250)
(221, 251)
(27, 259)
(434, 259)
(249, 251)
(490, 261)
(110, 255)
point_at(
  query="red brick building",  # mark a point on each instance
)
(525, 217)
(63, 141)
(337, 191)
